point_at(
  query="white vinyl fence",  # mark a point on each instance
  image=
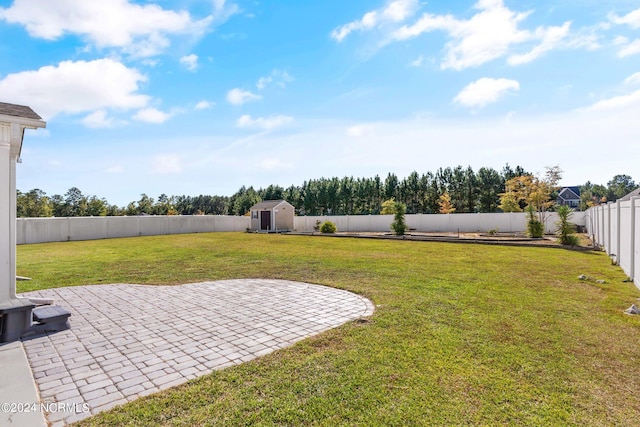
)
(467, 223)
(616, 227)
(41, 230)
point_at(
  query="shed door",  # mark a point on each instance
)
(265, 220)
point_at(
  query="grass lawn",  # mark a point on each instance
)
(462, 335)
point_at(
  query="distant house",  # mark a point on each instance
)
(634, 193)
(272, 215)
(569, 196)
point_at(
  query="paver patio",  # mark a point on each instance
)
(128, 341)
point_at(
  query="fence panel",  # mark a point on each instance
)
(635, 273)
(616, 227)
(625, 258)
(468, 223)
(41, 230)
(614, 231)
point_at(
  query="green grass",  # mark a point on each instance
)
(462, 334)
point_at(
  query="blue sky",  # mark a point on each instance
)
(204, 96)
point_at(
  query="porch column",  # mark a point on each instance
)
(15, 312)
(7, 216)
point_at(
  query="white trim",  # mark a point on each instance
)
(11, 136)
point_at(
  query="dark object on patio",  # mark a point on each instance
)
(51, 318)
(15, 318)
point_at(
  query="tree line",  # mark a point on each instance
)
(465, 190)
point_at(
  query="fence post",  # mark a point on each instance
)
(595, 225)
(602, 233)
(608, 248)
(633, 239)
(619, 228)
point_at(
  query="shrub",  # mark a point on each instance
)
(317, 226)
(399, 226)
(328, 227)
(572, 240)
(566, 229)
(535, 228)
(388, 207)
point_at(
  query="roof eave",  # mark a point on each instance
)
(25, 122)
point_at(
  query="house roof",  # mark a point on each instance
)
(634, 193)
(570, 193)
(18, 111)
(268, 204)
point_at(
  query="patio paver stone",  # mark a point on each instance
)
(127, 340)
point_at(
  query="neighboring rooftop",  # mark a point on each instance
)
(18, 111)
(575, 190)
(634, 193)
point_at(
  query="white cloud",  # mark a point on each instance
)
(368, 21)
(76, 87)
(358, 131)
(485, 91)
(631, 19)
(550, 38)
(399, 10)
(264, 123)
(620, 102)
(627, 48)
(152, 115)
(263, 82)
(395, 11)
(417, 62)
(489, 34)
(277, 77)
(115, 169)
(224, 10)
(141, 30)
(273, 164)
(150, 62)
(98, 119)
(633, 79)
(239, 96)
(190, 61)
(203, 105)
(165, 164)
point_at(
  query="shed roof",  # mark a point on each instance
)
(268, 204)
(18, 111)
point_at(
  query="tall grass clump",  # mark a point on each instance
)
(566, 229)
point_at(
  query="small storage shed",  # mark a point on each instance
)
(272, 215)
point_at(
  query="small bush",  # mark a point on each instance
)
(572, 240)
(535, 228)
(388, 207)
(328, 227)
(399, 226)
(317, 226)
